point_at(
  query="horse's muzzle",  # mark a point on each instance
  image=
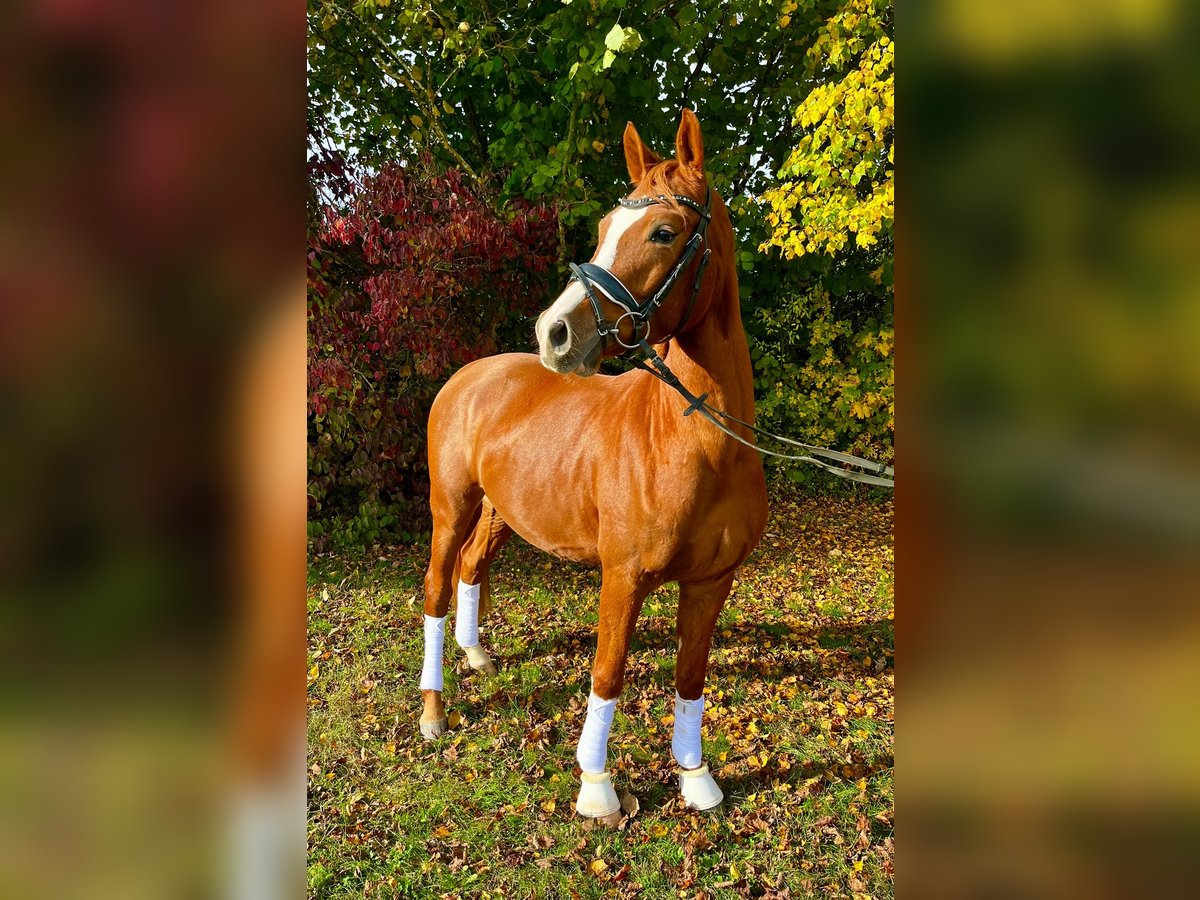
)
(568, 340)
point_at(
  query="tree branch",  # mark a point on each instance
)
(426, 102)
(701, 59)
(476, 129)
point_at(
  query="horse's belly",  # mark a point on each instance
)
(544, 521)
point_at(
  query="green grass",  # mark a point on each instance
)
(798, 733)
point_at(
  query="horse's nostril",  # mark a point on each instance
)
(558, 334)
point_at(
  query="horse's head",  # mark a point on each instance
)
(643, 280)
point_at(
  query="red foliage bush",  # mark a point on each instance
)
(419, 277)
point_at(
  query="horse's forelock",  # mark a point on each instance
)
(669, 178)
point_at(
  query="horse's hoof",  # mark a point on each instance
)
(432, 730)
(479, 660)
(597, 799)
(699, 790)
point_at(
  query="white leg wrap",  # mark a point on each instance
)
(685, 743)
(435, 639)
(466, 617)
(593, 742)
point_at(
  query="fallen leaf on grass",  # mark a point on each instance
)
(630, 804)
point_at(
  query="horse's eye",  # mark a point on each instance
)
(662, 236)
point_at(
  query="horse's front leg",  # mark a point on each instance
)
(699, 606)
(620, 602)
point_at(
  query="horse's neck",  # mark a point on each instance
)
(713, 358)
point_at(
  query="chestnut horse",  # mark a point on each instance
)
(607, 470)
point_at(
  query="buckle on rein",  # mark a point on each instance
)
(664, 374)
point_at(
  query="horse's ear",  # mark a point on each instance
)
(638, 157)
(689, 148)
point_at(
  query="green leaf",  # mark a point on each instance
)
(622, 39)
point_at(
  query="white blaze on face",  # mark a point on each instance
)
(618, 224)
(568, 301)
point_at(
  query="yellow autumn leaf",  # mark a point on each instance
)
(598, 866)
(454, 719)
(416, 120)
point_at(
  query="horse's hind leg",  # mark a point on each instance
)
(474, 587)
(454, 513)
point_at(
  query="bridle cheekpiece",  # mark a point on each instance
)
(595, 278)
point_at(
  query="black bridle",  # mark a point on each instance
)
(595, 277)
